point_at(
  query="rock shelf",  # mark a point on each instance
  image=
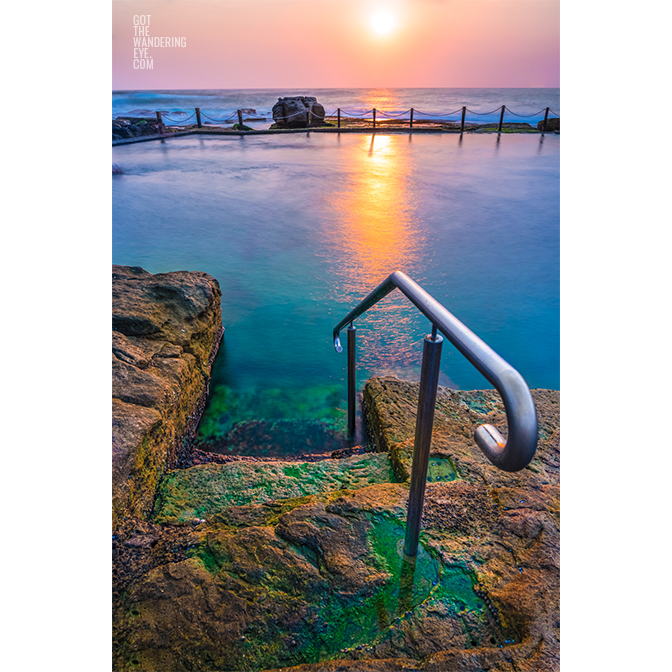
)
(269, 565)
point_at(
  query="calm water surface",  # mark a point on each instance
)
(297, 229)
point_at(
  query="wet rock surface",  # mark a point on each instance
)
(552, 124)
(202, 491)
(390, 405)
(132, 127)
(166, 329)
(298, 112)
(318, 581)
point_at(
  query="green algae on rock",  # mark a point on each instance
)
(228, 407)
(327, 581)
(317, 580)
(202, 491)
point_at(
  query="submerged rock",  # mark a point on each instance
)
(166, 329)
(276, 438)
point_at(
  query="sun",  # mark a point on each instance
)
(383, 22)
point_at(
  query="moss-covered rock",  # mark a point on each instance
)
(205, 490)
(326, 580)
(319, 581)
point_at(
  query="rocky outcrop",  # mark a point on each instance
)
(552, 124)
(132, 127)
(316, 578)
(390, 407)
(298, 112)
(166, 329)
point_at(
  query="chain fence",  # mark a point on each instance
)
(179, 118)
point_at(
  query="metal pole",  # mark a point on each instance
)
(406, 581)
(411, 126)
(429, 379)
(338, 114)
(374, 117)
(464, 112)
(543, 128)
(158, 118)
(308, 116)
(240, 120)
(352, 378)
(198, 117)
(501, 118)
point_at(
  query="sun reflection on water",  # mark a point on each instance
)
(378, 233)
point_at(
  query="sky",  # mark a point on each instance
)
(236, 44)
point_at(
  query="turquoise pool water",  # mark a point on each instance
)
(297, 229)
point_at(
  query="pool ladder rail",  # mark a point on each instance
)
(511, 454)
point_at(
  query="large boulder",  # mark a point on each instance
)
(552, 124)
(297, 111)
(166, 329)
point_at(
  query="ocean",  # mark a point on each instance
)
(220, 106)
(298, 228)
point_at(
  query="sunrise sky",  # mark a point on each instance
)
(233, 44)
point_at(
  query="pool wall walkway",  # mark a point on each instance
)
(285, 131)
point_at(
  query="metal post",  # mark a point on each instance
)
(198, 117)
(374, 117)
(158, 118)
(501, 118)
(464, 112)
(352, 378)
(240, 120)
(429, 379)
(338, 115)
(308, 117)
(543, 128)
(406, 581)
(411, 126)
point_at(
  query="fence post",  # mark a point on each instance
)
(543, 128)
(411, 126)
(464, 112)
(338, 115)
(374, 117)
(501, 118)
(429, 379)
(240, 120)
(161, 126)
(198, 117)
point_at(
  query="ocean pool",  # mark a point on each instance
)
(298, 228)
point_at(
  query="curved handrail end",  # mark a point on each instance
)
(500, 451)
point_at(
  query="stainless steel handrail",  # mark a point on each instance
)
(511, 454)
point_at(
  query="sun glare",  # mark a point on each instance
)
(382, 22)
